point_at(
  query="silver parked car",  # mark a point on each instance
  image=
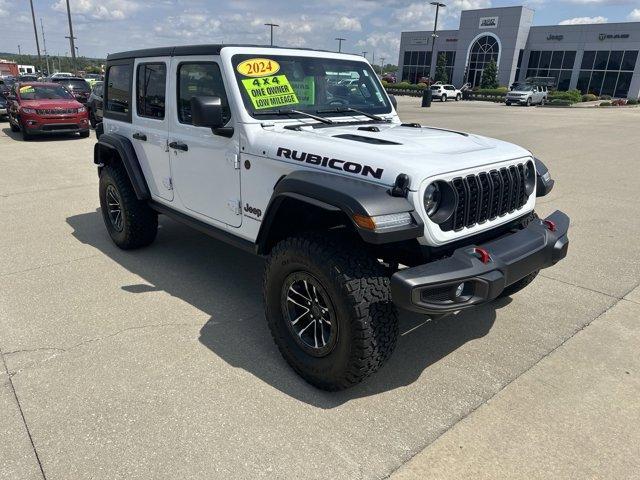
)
(528, 94)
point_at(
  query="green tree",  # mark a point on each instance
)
(441, 69)
(490, 75)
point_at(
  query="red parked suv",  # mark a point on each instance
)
(45, 108)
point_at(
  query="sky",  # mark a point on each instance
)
(374, 26)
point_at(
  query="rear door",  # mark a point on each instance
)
(205, 166)
(151, 125)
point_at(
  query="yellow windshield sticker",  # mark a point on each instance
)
(270, 92)
(27, 89)
(258, 67)
(305, 90)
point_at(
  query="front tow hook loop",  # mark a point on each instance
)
(551, 226)
(483, 254)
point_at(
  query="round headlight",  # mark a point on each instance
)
(529, 178)
(432, 198)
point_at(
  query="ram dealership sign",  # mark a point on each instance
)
(488, 22)
(609, 36)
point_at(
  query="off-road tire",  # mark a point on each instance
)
(443, 98)
(358, 288)
(139, 221)
(529, 102)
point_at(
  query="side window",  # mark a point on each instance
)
(150, 90)
(200, 80)
(119, 90)
(99, 89)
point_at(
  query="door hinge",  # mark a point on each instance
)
(168, 183)
(234, 159)
(235, 206)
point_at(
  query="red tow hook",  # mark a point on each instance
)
(551, 226)
(483, 254)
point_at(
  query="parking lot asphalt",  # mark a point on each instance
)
(158, 363)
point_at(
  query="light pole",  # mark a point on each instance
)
(44, 44)
(19, 50)
(381, 65)
(71, 38)
(434, 36)
(271, 25)
(340, 40)
(35, 31)
(364, 54)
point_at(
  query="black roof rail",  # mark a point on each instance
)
(206, 49)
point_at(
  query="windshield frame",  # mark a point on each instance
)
(262, 114)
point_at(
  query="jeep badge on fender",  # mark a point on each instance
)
(356, 214)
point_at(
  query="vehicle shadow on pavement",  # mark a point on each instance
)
(226, 284)
(17, 136)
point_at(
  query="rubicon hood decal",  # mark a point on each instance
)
(334, 163)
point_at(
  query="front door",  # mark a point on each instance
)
(205, 166)
(150, 125)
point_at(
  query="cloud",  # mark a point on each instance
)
(348, 24)
(421, 15)
(583, 20)
(4, 9)
(385, 45)
(99, 9)
(634, 16)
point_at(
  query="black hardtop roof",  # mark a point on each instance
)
(210, 49)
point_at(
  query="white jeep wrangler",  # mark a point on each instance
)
(280, 152)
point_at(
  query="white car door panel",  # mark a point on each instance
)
(150, 128)
(205, 166)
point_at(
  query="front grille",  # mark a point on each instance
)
(56, 111)
(486, 196)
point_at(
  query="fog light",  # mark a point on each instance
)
(459, 290)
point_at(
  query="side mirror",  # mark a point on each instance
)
(207, 112)
(394, 102)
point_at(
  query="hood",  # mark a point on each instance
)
(379, 152)
(44, 104)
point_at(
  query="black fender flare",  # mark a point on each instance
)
(337, 193)
(122, 145)
(544, 182)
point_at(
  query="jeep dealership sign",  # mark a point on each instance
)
(488, 22)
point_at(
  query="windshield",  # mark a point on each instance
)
(524, 88)
(77, 85)
(44, 92)
(324, 86)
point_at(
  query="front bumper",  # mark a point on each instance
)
(39, 125)
(462, 280)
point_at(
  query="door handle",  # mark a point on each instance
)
(179, 146)
(140, 136)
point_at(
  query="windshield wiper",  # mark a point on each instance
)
(353, 110)
(298, 112)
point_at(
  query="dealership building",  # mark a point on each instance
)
(595, 58)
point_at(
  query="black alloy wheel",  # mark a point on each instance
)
(114, 208)
(309, 314)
